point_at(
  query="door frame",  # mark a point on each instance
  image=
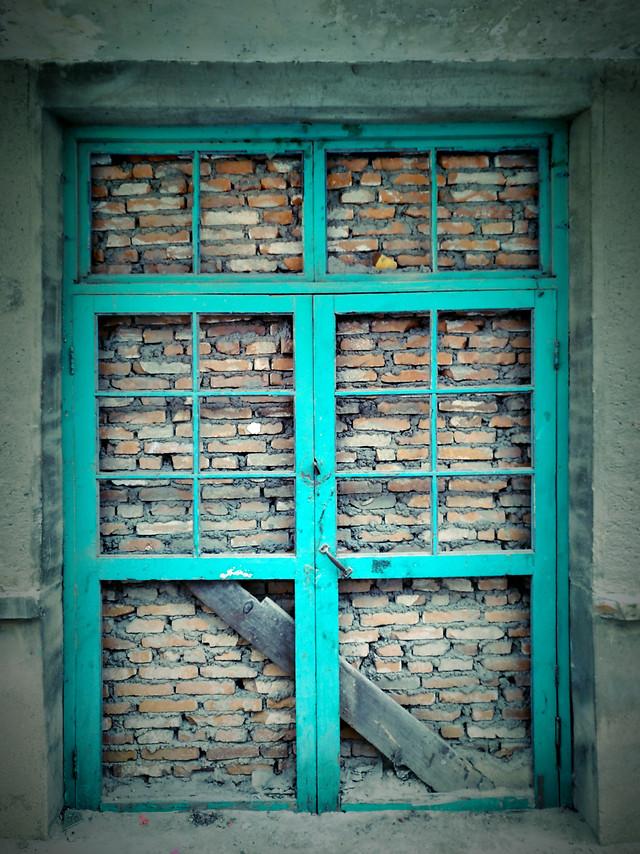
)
(314, 142)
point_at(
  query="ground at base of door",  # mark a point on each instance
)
(404, 832)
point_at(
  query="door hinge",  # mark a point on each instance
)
(558, 739)
(72, 361)
(556, 355)
(74, 764)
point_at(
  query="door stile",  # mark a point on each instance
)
(305, 624)
(88, 616)
(543, 582)
(328, 688)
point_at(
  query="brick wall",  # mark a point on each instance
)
(378, 203)
(183, 693)
(154, 435)
(455, 652)
(474, 431)
(142, 214)
(250, 212)
(488, 209)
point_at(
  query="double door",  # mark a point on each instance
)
(382, 467)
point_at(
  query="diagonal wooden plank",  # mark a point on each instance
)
(375, 715)
(263, 623)
(399, 736)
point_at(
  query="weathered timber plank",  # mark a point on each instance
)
(375, 715)
(263, 623)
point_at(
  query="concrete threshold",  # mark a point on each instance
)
(403, 832)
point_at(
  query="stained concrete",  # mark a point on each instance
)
(318, 30)
(616, 453)
(214, 93)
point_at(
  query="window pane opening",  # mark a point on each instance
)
(488, 210)
(455, 654)
(251, 213)
(141, 214)
(378, 212)
(191, 710)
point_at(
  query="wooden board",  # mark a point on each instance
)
(375, 715)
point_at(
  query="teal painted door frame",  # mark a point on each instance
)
(314, 299)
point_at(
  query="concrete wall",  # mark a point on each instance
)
(318, 30)
(601, 99)
(616, 453)
(30, 573)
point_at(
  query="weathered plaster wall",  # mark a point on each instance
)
(30, 615)
(604, 309)
(325, 30)
(21, 330)
(616, 455)
(605, 455)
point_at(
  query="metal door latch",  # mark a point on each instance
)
(345, 571)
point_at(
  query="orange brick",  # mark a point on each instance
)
(464, 161)
(170, 753)
(267, 200)
(234, 167)
(339, 180)
(451, 732)
(379, 212)
(280, 217)
(118, 755)
(141, 689)
(168, 706)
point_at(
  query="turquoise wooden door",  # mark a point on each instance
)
(186, 409)
(415, 442)
(435, 449)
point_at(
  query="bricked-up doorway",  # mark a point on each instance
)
(312, 416)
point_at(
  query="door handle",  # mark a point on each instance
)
(345, 571)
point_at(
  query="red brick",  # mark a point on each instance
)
(234, 167)
(465, 161)
(266, 200)
(451, 732)
(339, 180)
